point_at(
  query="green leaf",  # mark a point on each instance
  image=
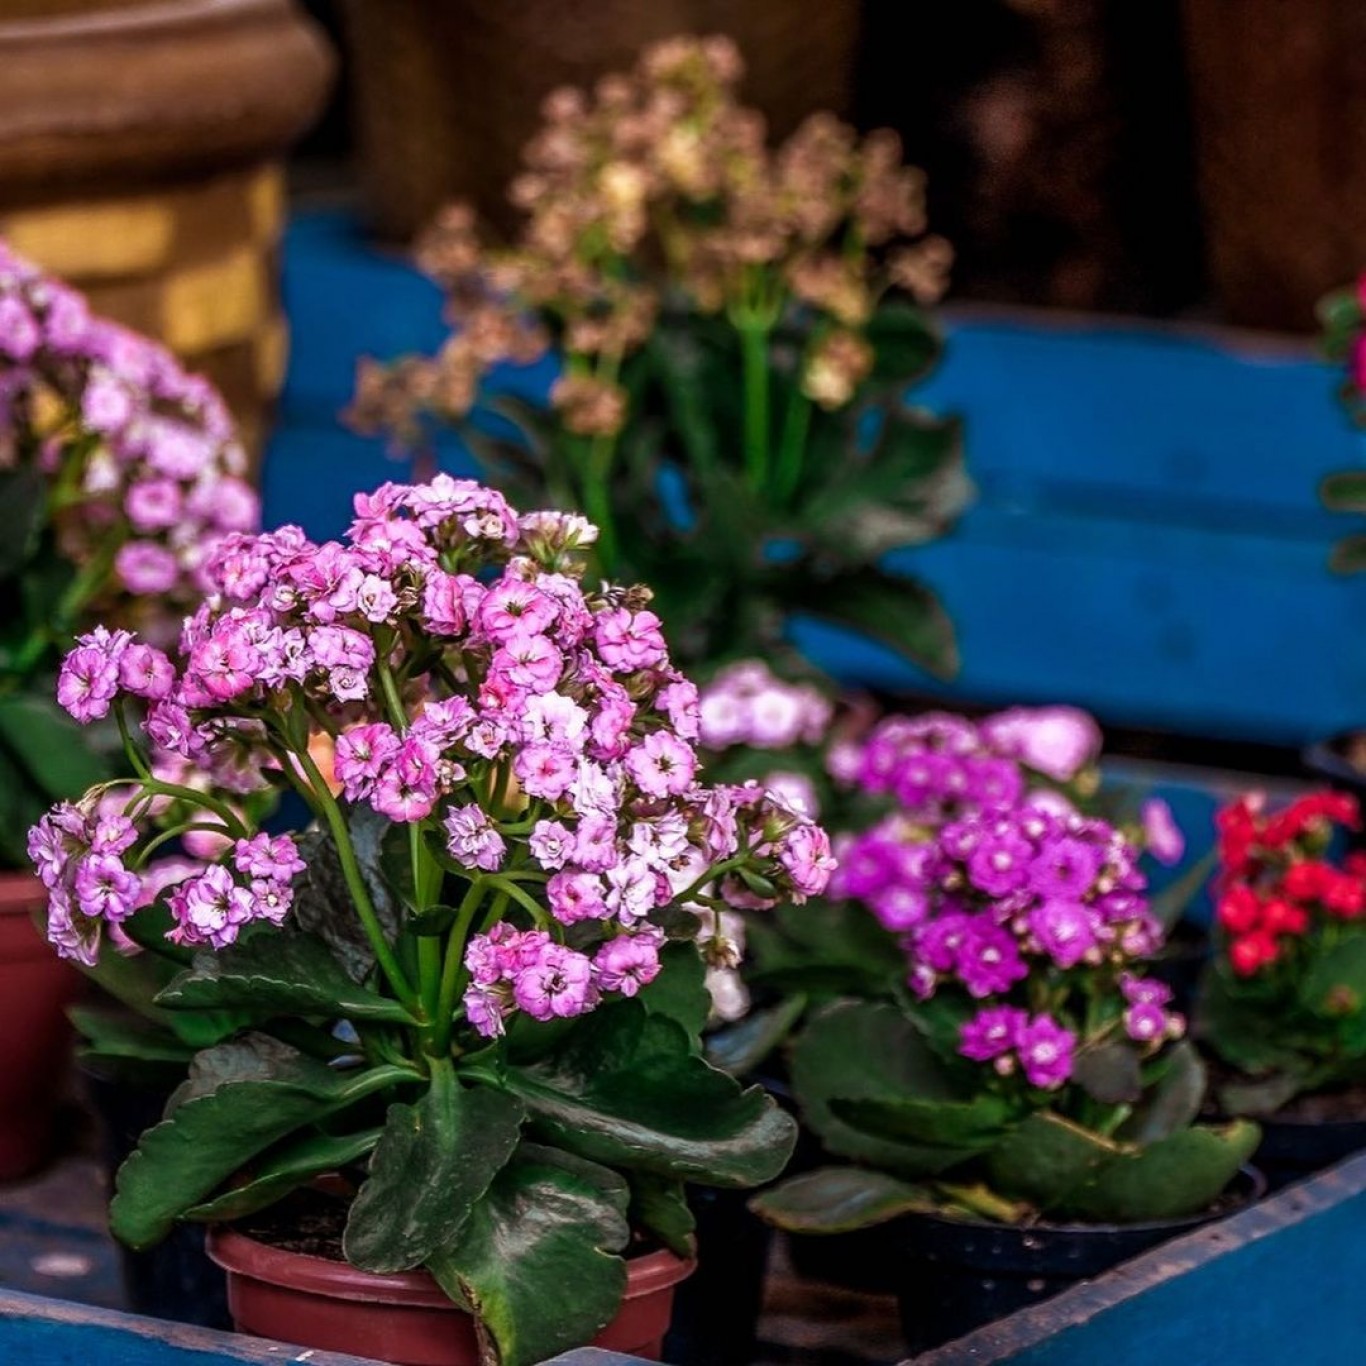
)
(434, 1161)
(537, 1262)
(972, 1125)
(628, 1088)
(1348, 555)
(23, 500)
(900, 613)
(680, 990)
(1334, 986)
(743, 1046)
(905, 343)
(323, 902)
(1170, 1103)
(272, 972)
(1243, 1028)
(51, 748)
(839, 1200)
(209, 1137)
(1046, 1158)
(1345, 491)
(659, 1205)
(1179, 1175)
(284, 1169)
(1110, 1073)
(855, 1051)
(1258, 1097)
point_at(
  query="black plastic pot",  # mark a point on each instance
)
(174, 1280)
(1292, 1149)
(959, 1275)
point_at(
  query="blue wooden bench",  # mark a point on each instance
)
(1147, 542)
(42, 1332)
(1280, 1282)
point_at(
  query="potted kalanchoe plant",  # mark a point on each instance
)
(1283, 1006)
(1025, 1116)
(460, 1019)
(118, 475)
(736, 326)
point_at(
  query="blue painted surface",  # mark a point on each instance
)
(1147, 542)
(1279, 1283)
(43, 1332)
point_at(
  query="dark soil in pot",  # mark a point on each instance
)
(174, 1280)
(958, 1275)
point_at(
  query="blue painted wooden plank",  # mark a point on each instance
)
(1277, 1283)
(43, 1332)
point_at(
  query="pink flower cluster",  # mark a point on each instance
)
(469, 686)
(748, 704)
(145, 454)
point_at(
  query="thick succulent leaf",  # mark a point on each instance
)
(208, 1137)
(1244, 1031)
(680, 990)
(905, 343)
(824, 949)
(284, 1169)
(537, 1262)
(277, 973)
(1180, 1175)
(855, 1051)
(627, 1088)
(973, 1125)
(322, 901)
(433, 1163)
(839, 1200)
(1259, 1097)
(743, 1046)
(659, 1205)
(1045, 1158)
(900, 613)
(1110, 1073)
(49, 746)
(1172, 1101)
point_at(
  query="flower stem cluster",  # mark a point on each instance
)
(444, 667)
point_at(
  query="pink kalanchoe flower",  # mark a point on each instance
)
(472, 840)
(626, 963)
(662, 765)
(275, 859)
(559, 982)
(1055, 741)
(1162, 837)
(628, 641)
(992, 1032)
(1046, 1052)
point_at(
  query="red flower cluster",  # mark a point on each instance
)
(1273, 880)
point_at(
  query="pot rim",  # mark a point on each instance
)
(242, 1255)
(1253, 1175)
(20, 892)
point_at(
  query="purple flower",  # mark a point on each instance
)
(105, 889)
(1064, 929)
(662, 765)
(471, 839)
(1143, 990)
(1145, 1022)
(987, 959)
(626, 963)
(1000, 864)
(89, 681)
(273, 859)
(991, 1032)
(1045, 1049)
(1066, 867)
(1162, 836)
(576, 896)
(558, 983)
(1055, 741)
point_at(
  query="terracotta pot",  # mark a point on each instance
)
(404, 1319)
(141, 149)
(35, 989)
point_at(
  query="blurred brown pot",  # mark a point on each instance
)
(140, 157)
(447, 94)
(35, 989)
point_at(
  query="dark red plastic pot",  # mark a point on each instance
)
(404, 1319)
(959, 1274)
(35, 989)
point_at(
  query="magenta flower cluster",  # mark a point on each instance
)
(144, 455)
(1005, 899)
(466, 684)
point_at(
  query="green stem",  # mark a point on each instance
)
(453, 969)
(796, 424)
(718, 870)
(78, 593)
(355, 883)
(754, 354)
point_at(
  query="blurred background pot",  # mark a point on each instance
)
(1296, 1146)
(957, 1275)
(406, 1318)
(445, 95)
(35, 989)
(141, 151)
